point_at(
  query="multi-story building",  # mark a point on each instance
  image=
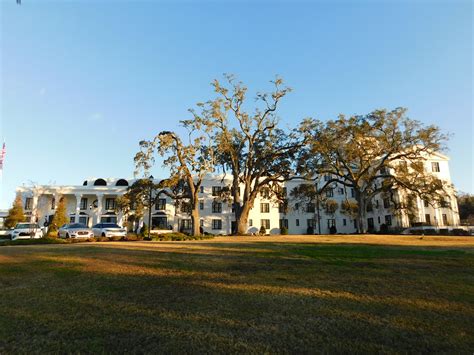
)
(94, 202)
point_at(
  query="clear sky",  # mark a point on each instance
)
(83, 81)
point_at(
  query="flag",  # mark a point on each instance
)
(2, 156)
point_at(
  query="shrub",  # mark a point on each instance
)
(459, 231)
(444, 231)
(144, 230)
(310, 231)
(52, 233)
(284, 231)
(262, 231)
(115, 238)
(177, 236)
(430, 231)
(333, 230)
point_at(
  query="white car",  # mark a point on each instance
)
(27, 231)
(75, 230)
(108, 230)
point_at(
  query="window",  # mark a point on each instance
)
(264, 207)
(352, 193)
(201, 223)
(331, 223)
(376, 203)
(284, 191)
(201, 205)
(185, 224)
(185, 207)
(297, 206)
(310, 223)
(327, 177)
(370, 223)
(386, 202)
(425, 203)
(344, 222)
(110, 203)
(428, 219)
(283, 207)
(28, 203)
(297, 222)
(378, 219)
(369, 206)
(340, 190)
(445, 220)
(83, 203)
(159, 222)
(250, 222)
(445, 203)
(329, 192)
(265, 223)
(435, 167)
(388, 220)
(265, 193)
(201, 189)
(310, 208)
(216, 207)
(161, 204)
(83, 220)
(283, 223)
(72, 219)
(216, 190)
(53, 203)
(216, 224)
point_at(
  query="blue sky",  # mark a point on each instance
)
(82, 81)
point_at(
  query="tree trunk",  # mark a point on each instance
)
(195, 221)
(242, 220)
(361, 213)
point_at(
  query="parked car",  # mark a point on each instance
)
(75, 230)
(108, 230)
(27, 231)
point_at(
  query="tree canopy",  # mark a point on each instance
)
(15, 214)
(249, 144)
(378, 153)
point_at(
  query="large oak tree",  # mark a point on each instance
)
(250, 144)
(378, 153)
(188, 163)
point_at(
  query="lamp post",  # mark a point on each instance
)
(149, 205)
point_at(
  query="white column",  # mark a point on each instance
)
(78, 208)
(99, 207)
(34, 208)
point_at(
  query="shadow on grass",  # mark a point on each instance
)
(235, 299)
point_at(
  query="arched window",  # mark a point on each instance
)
(100, 182)
(84, 183)
(121, 182)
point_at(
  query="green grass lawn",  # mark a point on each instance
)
(243, 296)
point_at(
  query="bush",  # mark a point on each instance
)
(177, 236)
(115, 238)
(144, 230)
(284, 231)
(333, 230)
(262, 230)
(430, 231)
(52, 233)
(459, 231)
(383, 228)
(310, 231)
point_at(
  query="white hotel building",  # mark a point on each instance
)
(94, 202)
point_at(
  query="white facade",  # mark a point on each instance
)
(94, 202)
